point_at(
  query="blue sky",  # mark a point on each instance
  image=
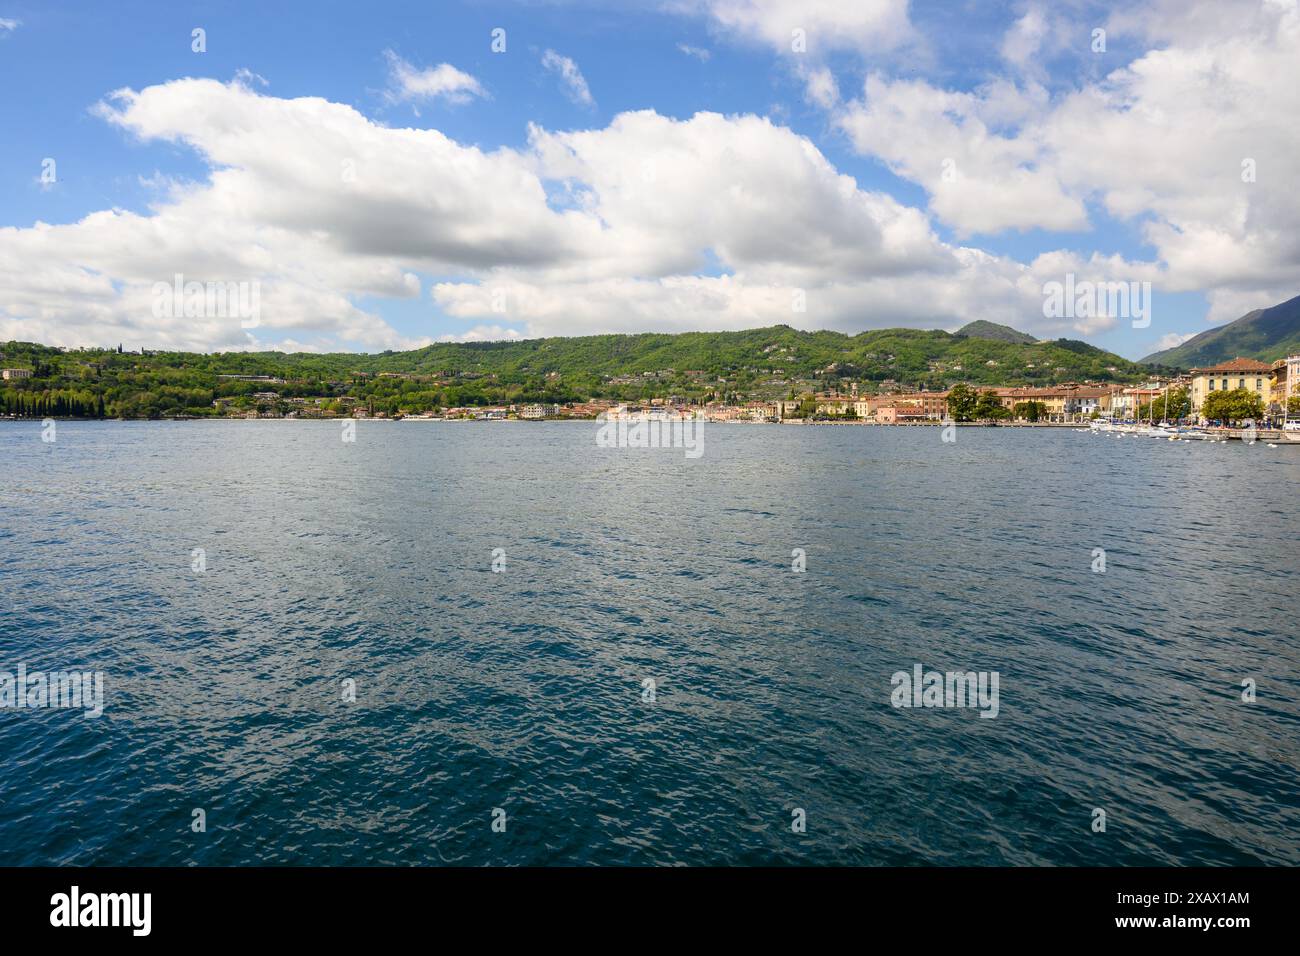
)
(675, 59)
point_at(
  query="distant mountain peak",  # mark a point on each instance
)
(980, 329)
(1264, 335)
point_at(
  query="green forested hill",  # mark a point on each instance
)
(980, 329)
(771, 362)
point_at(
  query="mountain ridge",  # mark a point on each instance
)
(766, 363)
(1263, 334)
(874, 354)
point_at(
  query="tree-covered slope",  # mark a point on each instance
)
(756, 363)
(980, 329)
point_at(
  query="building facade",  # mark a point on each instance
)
(1285, 381)
(933, 405)
(1052, 400)
(900, 413)
(534, 412)
(1227, 376)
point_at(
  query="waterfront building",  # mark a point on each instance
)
(835, 405)
(591, 409)
(1285, 380)
(933, 405)
(1082, 401)
(724, 413)
(13, 374)
(870, 406)
(534, 412)
(1052, 400)
(1244, 373)
(871, 403)
(760, 411)
(900, 413)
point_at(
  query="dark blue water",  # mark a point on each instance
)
(522, 690)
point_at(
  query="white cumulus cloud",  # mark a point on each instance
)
(406, 82)
(1194, 142)
(648, 223)
(824, 25)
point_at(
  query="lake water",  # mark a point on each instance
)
(327, 562)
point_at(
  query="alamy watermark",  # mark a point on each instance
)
(83, 690)
(1097, 300)
(922, 688)
(75, 908)
(686, 433)
(209, 300)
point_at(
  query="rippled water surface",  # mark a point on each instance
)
(523, 690)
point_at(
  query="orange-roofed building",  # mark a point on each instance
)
(1244, 373)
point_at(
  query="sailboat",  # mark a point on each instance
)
(1165, 429)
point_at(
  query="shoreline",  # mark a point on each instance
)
(552, 421)
(1264, 435)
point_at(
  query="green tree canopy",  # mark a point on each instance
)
(988, 407)
(1236, 405)
(1029, 411)
(961, 403)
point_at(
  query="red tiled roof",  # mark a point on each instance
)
(1236, 365)
(1028, 392)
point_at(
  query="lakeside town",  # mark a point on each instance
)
(1222, 394)
(1233, 393)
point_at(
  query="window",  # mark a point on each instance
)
(1259, 384)
(1211, 384)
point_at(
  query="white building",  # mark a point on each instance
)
(539, 411)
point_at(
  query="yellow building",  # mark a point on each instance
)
(834, 405)
(1239, 373)
(1052, 400)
